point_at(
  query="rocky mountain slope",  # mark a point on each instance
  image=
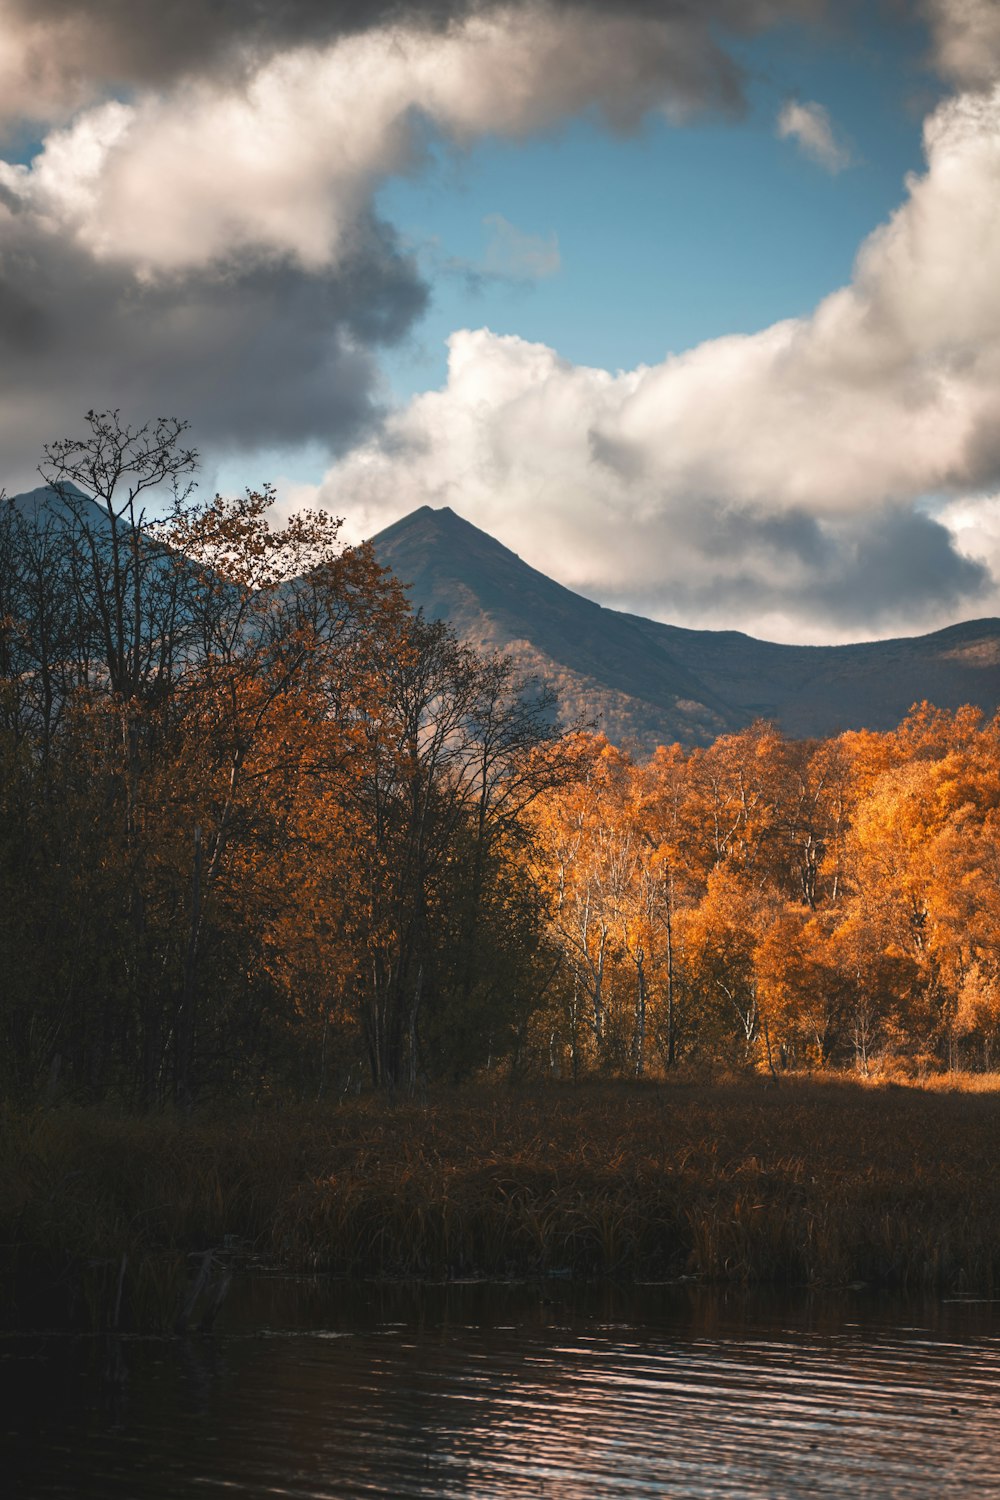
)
(648, 683)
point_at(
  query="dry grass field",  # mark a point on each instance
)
(107, 1219)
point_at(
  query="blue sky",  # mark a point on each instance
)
(694, 303)
(672, 234)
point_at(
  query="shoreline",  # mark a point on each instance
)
(122, 1222)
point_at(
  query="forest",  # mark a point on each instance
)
(266, 832)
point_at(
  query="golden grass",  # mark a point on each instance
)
(810, 1182)
(963, 1083)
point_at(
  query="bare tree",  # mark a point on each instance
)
(129, 591)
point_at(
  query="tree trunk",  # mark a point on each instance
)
(185, 1020)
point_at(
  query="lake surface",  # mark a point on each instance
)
(309, 1390)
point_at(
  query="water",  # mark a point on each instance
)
(308, 1390)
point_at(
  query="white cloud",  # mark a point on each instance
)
(209, 244)
(284, 163)
(966, 40)
(781, 472)
(519, 256)
(809, 125)
(974, 522)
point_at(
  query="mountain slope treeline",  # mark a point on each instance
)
(650, 684)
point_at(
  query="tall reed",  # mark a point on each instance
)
(804, 1183)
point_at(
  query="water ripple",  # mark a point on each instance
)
(568, 1409)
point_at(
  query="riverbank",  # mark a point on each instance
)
(114, 1220)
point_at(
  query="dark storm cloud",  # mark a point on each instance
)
(860, 572)
(268, 355)
(150, 41)
(788, 537)
(896, 562)
(154, 41)
(75, 50)
(981, 458)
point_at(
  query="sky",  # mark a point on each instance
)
(695, 304)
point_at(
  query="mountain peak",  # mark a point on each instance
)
(48, 499)
(429, 519)
(45, 492)
(648, 683)
(495, 600)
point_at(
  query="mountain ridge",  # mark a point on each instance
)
(650, 682)
(646, 682)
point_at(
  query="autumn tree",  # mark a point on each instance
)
(578, 831)
(262, 826)
(458, 751)
(206, 671)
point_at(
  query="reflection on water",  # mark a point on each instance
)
(308, 1390)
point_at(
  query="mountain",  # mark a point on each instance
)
(34, 504)
(647, 683)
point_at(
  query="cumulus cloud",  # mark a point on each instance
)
(263, 355)
(205, 242)
(810, 126)
(974, 522)
(56, 55)
(965, 40)
(783, 472)
(283, 164)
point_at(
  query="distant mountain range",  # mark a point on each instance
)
(647, 683)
